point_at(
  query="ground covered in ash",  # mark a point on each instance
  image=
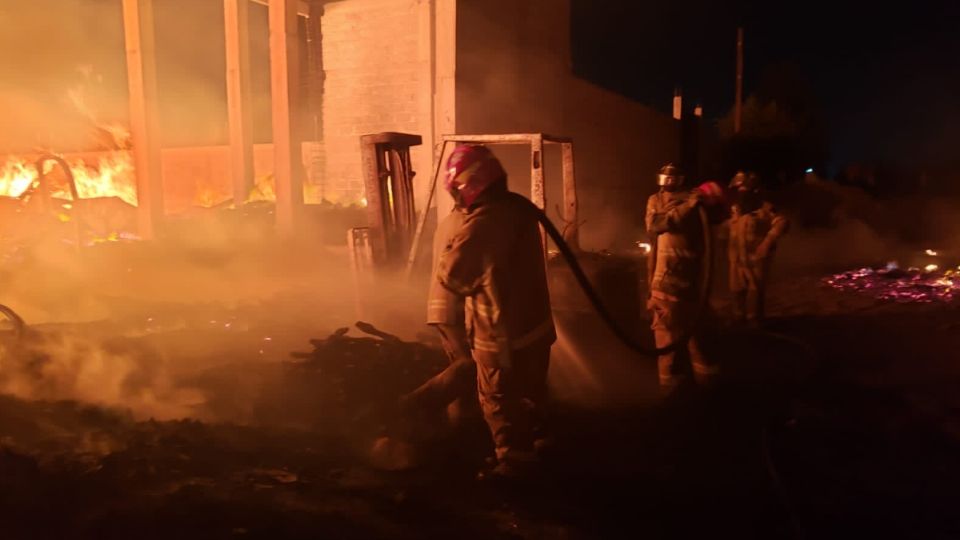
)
(181, 412)
(840, 421)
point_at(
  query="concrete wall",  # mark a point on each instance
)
(514, 74)
(377, 58)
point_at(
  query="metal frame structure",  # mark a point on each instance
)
(388, 184)
(538, 194)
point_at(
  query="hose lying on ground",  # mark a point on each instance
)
(628, 340)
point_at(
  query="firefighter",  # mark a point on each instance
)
(676, 262)
(456, 386)
(755, 228)
(495, 264)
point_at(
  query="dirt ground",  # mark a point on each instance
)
(181, 414)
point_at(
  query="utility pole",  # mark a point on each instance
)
(738, 106)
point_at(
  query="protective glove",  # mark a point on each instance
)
(710, 193)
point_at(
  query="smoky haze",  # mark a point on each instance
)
(63, 71)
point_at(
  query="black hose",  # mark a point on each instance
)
(769, 463)
(571, 259)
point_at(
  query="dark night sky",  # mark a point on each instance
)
(887, 77)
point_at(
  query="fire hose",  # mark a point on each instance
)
(706, 278)
(769, 464)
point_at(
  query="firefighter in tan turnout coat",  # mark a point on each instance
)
(494, 263)
(673, 224)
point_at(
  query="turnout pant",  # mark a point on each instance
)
(512, 389)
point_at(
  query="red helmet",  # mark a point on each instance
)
(471, 169)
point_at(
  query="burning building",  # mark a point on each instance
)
(342, 69)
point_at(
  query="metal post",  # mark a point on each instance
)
(570, 204)
(370, 158)
(537, 192)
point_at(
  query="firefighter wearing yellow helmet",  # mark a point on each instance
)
(755, 228)
(674, 269)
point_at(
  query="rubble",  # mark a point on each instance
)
(357, 381)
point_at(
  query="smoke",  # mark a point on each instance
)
(137, 325)
(64, 73)
(838, 228)
(70, 365)
(58, 53)
(185, 326)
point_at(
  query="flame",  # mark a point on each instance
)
(931, 268)
(112, 176)
(645, 247)
(15, 177)
(931, 253)
(263, 190)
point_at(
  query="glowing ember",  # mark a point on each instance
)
(931, 253)
(894, 284)
(645, 247)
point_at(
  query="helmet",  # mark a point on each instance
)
(670, 177)
(745, 181)
(471, 169)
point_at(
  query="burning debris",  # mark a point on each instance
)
(892, 283)
(354, 378)
(112, 176)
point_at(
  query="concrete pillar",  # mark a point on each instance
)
(144, 114)
(239, 109)
(445, 96)
(285, 87)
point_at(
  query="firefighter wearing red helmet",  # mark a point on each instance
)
(455, 388)
(755, 228)
(493, 265)
(674, 268)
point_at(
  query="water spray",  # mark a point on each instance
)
(591, 293)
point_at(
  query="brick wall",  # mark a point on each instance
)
(374, 81)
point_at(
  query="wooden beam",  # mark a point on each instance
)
(239, 107)
(285, 87)
(144, 115)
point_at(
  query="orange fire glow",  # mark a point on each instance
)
(112, 176)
